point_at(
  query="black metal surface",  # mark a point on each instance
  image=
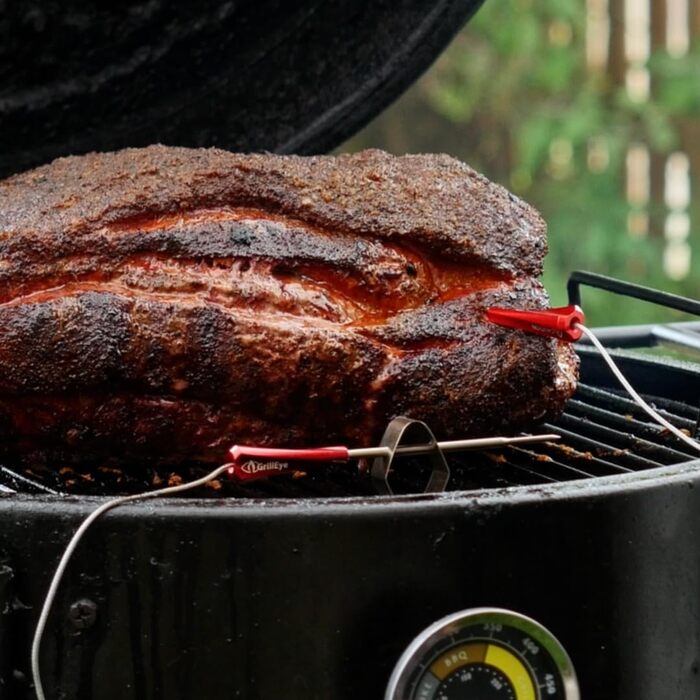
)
(684, 335)
(657, 376)
(7, 607)
(628, 289)
(265, 75)
(240, 600)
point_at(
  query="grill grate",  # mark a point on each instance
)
(603, 433)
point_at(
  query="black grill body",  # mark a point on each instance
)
(319, 597)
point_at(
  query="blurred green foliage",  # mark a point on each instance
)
(678, 85)
(513, 96)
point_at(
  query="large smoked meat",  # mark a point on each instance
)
(164, 303)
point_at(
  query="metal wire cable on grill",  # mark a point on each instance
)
(73, 544)
(631, 391)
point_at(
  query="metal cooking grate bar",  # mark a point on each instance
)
(680, 414)
(12, 481)
(530, 464)
(583, 462)
(511, 467)
(546, 467)
(624, 423)
(622, 440)
(622, 459)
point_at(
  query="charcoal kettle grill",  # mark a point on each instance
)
(574, 564)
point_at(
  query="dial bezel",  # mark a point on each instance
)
(453, 624)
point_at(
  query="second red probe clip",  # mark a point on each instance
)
(561, 322)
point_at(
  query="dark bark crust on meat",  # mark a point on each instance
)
(432, 200)
(163, 303)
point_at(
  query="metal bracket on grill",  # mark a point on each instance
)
(638, 291)
(393, 437)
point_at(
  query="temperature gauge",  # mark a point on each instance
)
(484, 654)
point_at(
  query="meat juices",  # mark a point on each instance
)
(160, 304)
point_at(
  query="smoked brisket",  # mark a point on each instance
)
(164, 303)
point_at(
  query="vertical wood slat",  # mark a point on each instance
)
(690, 127)
(657, 175)
(694, 20)
(617, 61)
(659, 24)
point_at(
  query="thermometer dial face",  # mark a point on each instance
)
(484, 654)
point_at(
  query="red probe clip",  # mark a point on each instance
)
(249, 463)
(561, 322)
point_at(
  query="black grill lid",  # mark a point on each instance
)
(248, 75)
